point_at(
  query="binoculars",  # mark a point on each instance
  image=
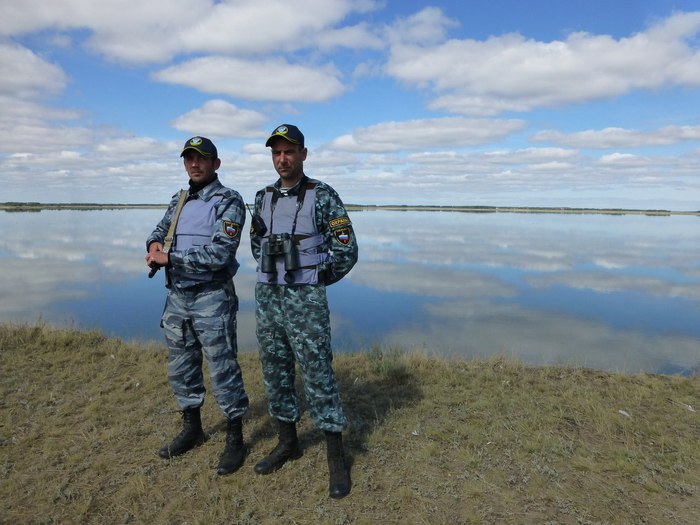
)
(280, 244)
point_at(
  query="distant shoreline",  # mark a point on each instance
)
(519, 209)
(37, 206)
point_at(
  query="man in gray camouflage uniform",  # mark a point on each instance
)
(303, 241)
(200, 310)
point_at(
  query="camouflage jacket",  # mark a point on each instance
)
(218, 256)
(332, 223)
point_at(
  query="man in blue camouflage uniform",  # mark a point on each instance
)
(200, 310)
(303, 241)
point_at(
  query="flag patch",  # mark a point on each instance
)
(342, 235)
(231, 228)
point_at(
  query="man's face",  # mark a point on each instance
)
(289, 160)
(201, 169)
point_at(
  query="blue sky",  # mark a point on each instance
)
(540, 103)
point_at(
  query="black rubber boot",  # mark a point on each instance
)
(338, 472)
(234, 451)
(190, 437)
(287, 448)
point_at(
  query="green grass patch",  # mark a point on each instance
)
(431, 441)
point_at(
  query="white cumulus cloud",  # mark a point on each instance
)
(421, 134)
(218, 118)
(511, 72)
(272, 79)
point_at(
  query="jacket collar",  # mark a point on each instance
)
(294, 190)
(208, 191)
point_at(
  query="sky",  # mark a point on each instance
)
(591, 103)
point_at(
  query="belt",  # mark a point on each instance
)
(201, 287)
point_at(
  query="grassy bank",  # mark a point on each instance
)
(432, 441)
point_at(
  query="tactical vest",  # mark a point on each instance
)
(194, 228)
(279, 213)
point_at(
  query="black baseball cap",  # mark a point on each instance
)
(288, 132)
(202, 145)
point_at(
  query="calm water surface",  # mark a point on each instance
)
(609, 292)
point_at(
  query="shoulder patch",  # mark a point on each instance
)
(339, 222)
(231, 228)
(342, 235)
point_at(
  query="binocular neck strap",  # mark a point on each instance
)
(300, 202)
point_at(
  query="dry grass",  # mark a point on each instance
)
(432, 441)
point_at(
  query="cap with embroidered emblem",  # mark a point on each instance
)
(201, 145)
(288, 132)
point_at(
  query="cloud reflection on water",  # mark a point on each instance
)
(485, 266)
(545, 288)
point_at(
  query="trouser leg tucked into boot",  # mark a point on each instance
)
(191, 436)
(338, 471)
(287, 448)
(234, 451)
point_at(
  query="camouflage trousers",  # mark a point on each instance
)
(202, 321)
(293, 326)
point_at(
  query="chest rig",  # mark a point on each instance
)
(292, 248)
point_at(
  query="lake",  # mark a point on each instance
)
(611, 292)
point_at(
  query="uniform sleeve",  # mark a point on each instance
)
(220, 253)
(255, 238)
(161, 230)
(334, 225)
